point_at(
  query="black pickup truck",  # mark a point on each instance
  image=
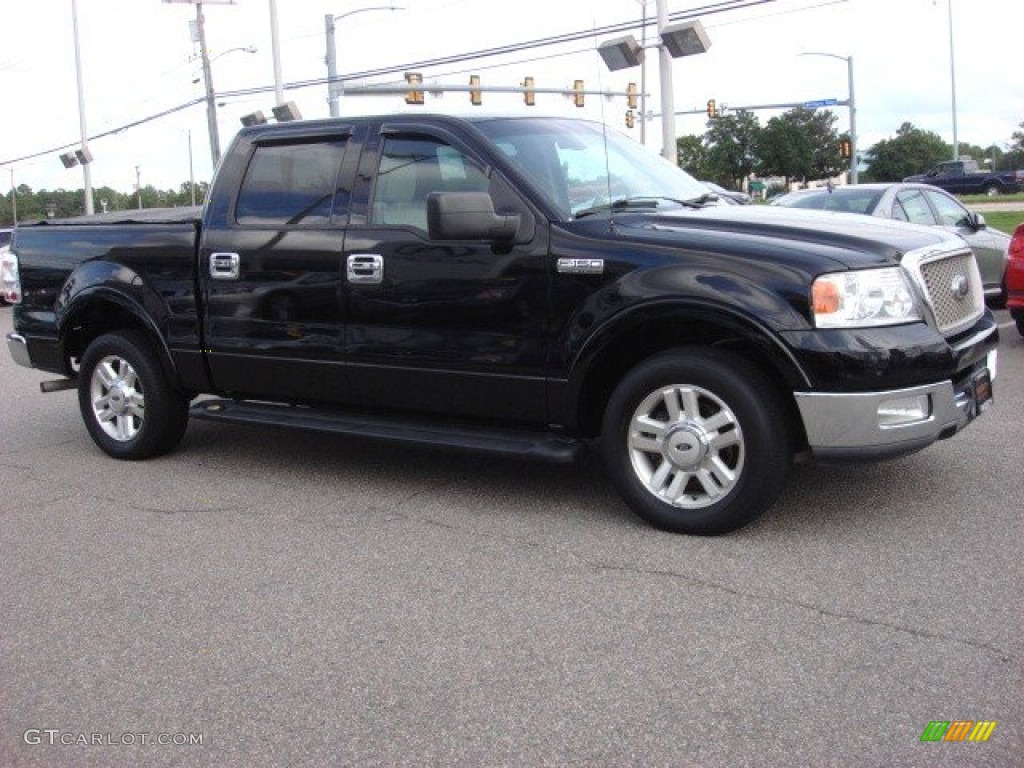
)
(524, 286)
(965, 177)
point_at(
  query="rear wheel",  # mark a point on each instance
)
(696, 441)
(129, 408)
(992, 190)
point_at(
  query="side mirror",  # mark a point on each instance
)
(468, 216)
(975, 221)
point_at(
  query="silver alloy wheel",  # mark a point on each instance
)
(117, 399)
(686, 446)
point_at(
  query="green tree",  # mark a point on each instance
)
(731, 141)
(692, 155)
(1014, 157)
(912, 151)
(802, 143)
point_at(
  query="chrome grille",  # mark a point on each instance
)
(938, 272)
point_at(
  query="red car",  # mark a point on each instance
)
(1015, 278)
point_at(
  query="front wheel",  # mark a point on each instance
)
(992, 190)
(696, 441)
(129, 408)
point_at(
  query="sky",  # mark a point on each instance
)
(138, 60)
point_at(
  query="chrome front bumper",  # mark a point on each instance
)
(879, 425)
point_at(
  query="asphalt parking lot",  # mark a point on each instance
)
(266, 598)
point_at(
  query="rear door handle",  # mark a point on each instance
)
(365, 268)
(224, 266)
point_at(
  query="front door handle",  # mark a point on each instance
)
(365, 268)
(224, 266)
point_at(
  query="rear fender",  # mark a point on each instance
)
(99, 297)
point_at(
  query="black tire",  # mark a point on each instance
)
(129, 408)
(696, 441)
(1020, 325)
(992, 190)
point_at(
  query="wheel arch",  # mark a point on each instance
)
(605, 362)
(99, 310)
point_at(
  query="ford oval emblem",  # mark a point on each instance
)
(959, 286)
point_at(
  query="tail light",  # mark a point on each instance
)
(10, 280)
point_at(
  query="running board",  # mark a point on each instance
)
(510, 442)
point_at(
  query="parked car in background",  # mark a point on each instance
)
(729, 195)
(918, 204)
(1015, 278)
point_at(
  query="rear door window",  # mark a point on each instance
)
(293, 185)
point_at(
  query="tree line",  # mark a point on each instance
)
(804, 144)
(64, 203)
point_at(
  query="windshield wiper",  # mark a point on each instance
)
(702, 200)
(639, 202)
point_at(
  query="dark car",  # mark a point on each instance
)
(919, 204)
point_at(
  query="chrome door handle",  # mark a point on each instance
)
(224, 266)
(365, 268)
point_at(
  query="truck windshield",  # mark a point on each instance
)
(585, 169)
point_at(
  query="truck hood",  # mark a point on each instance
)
(830, 240)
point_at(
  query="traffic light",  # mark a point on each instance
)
(631, 96)
(414, 96)
(845, 149)
(475, 97)
(529, 95)
(712, 109)
(577, 98)
(630, 118)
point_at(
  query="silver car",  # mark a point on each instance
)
(920, 204)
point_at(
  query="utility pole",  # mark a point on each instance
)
(14, 200)
(211, 100)
(138, 186)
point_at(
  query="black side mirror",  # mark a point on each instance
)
(468, 216)
(975, 221)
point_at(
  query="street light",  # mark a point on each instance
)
(334, 87)
(952, 82)
(683, 39)
(851, 103)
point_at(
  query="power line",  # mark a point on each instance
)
(568, 37)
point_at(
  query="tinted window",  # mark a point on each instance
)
(5, 237)
(292, 185)
(412, 168)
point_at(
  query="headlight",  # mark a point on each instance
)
(863, 298)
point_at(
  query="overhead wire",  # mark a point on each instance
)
(706, 10)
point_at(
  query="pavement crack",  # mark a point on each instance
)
(1004, 655)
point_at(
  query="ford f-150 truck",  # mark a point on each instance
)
(524, 286)
(964, 177)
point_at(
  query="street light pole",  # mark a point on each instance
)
(275, 47)
(85, 156)
(668, 108)
(334, 88)
(851, 103)
(952, 82)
